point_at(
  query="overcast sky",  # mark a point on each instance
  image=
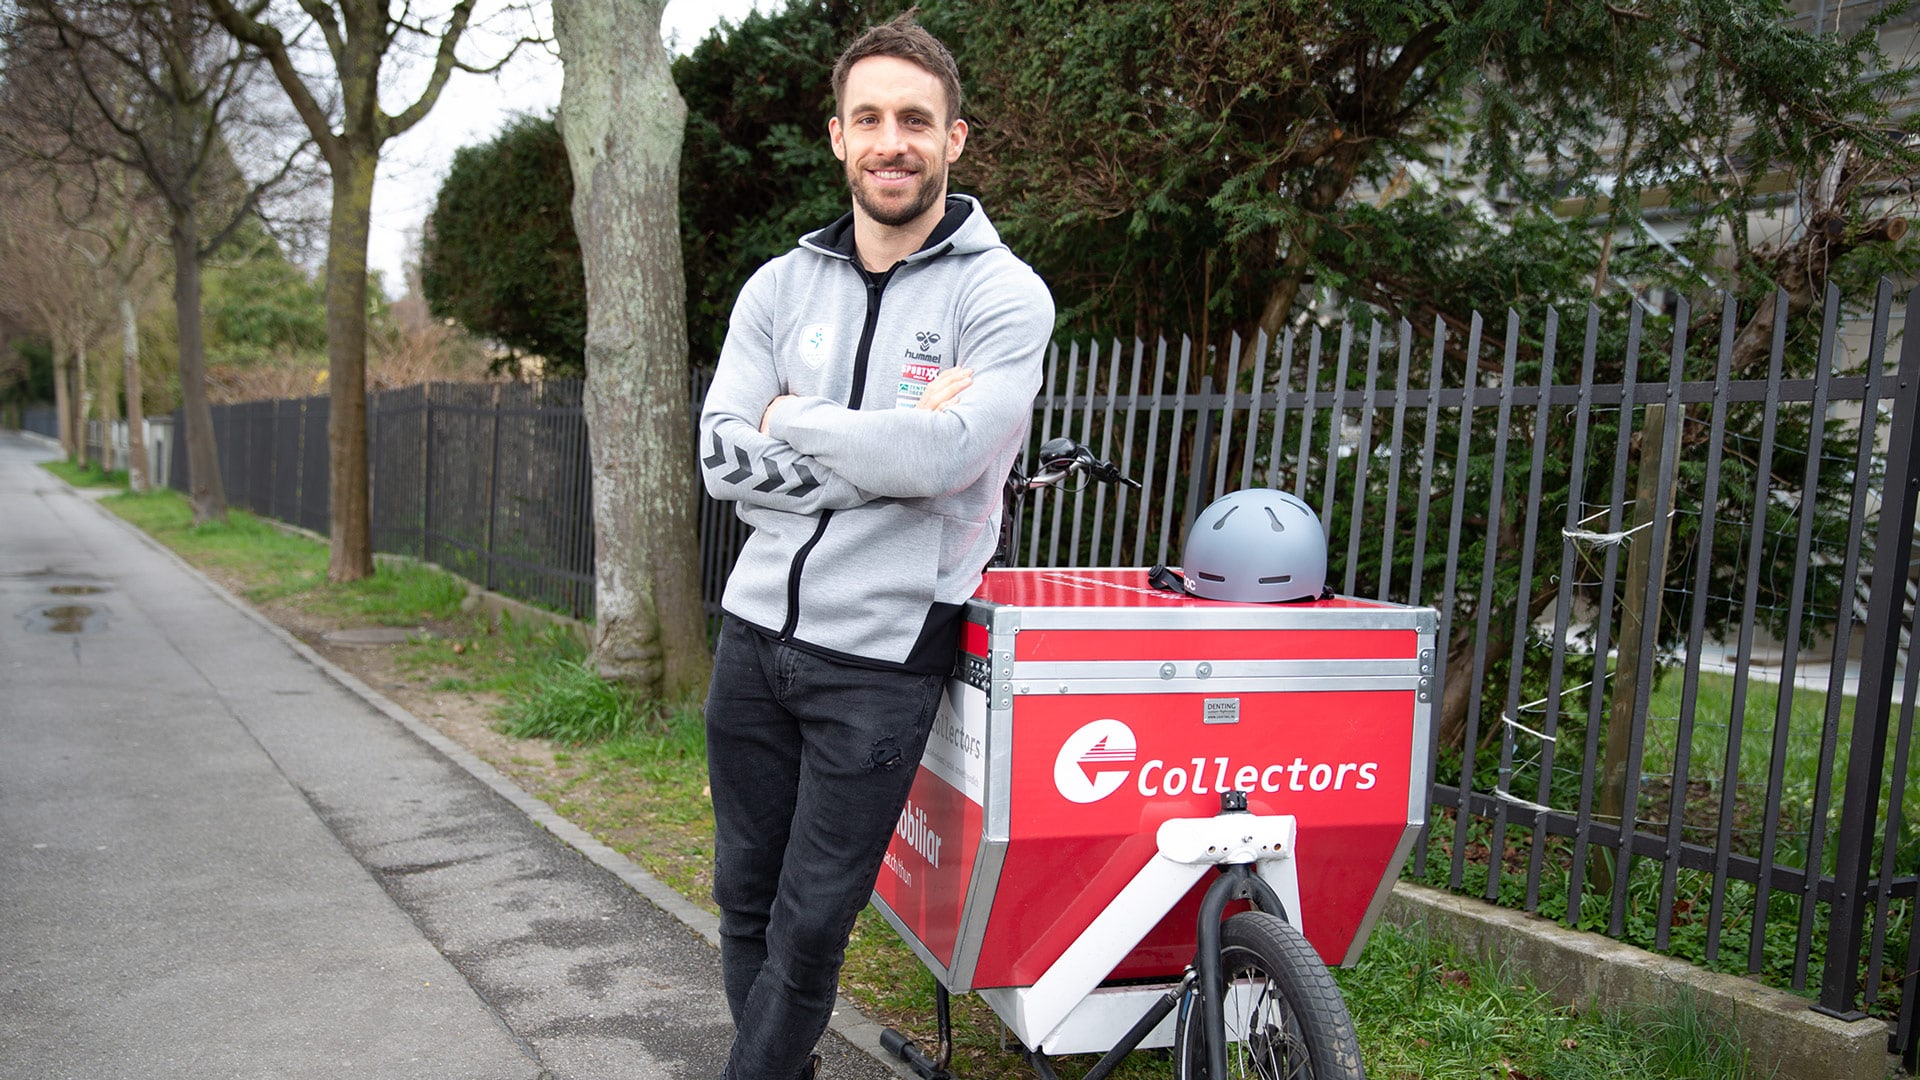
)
(473, 109)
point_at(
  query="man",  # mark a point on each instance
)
(876, 384)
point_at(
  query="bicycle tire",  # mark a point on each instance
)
(1295, 1027)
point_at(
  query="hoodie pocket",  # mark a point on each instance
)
(868, 583)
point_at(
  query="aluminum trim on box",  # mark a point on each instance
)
(1168, 670)
(975, 913)
(1378, 906)
(1055, 687)
(1229, 618)
(1421, 778)
(1418, 789)
(997, 810)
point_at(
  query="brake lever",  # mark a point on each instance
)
(1107, 473)
(1062, 456)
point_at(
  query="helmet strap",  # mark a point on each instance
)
(1168, 579)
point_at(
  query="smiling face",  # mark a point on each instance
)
(896, 140)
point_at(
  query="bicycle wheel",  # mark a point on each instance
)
(1285, 1018)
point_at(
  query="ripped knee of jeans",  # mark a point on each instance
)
(883, 755)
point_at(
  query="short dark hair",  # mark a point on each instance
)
(907, 40)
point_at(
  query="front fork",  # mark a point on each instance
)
(1237, 881)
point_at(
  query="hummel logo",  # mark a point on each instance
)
(927, 339)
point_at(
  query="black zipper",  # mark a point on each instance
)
(875, 284)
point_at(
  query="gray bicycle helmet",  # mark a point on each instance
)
(1256, 546)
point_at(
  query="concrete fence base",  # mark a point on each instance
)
(1783, 1037)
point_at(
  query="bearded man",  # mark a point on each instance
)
(876, 385)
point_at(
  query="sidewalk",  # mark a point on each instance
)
(220, 858)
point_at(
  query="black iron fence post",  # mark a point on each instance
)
(493, 489)
(1202, 464)
(1873, 709)
(426, 472)
(374, 469)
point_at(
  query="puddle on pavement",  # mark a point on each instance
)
(75, 590)
(66, 619)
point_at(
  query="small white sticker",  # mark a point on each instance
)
(816, 343)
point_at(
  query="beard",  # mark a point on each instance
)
(931, 187)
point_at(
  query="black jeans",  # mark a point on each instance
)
(810, 761)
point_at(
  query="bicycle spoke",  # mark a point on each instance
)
(1268, 1045)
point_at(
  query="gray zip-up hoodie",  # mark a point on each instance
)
(872, 520)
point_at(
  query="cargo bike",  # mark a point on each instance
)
(1148, 819)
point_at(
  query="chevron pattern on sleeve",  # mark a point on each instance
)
(800, 484)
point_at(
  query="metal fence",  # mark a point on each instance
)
(1674, 574)
(102, 435)
(489, 480)
(1675, 595)
(41, 420)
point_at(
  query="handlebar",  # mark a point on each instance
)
(1059, 459)
(1063, 457)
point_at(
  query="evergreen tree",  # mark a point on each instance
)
(500, 254)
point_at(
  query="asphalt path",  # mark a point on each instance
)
(222, 857)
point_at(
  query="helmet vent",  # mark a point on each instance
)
(1204, 576)
(1231, 510)
(1281, 580)
(1274, 520)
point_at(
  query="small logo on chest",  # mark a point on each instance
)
(816, 343)
(927, 339)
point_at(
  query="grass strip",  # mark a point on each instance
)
(86, 476)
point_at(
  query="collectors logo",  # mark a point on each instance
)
(1094, 761)
(1103, 756)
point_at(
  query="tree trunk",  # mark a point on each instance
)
(82, 400)
(1802, 268)
(350, 546)
(1635, 616)
(63, 394)
(137, 464)
(1458, 691)
(623, 121)
(109, 414)
(204, 490)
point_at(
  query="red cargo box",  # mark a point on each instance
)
(1090, 709)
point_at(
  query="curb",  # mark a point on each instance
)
(859, 1029)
